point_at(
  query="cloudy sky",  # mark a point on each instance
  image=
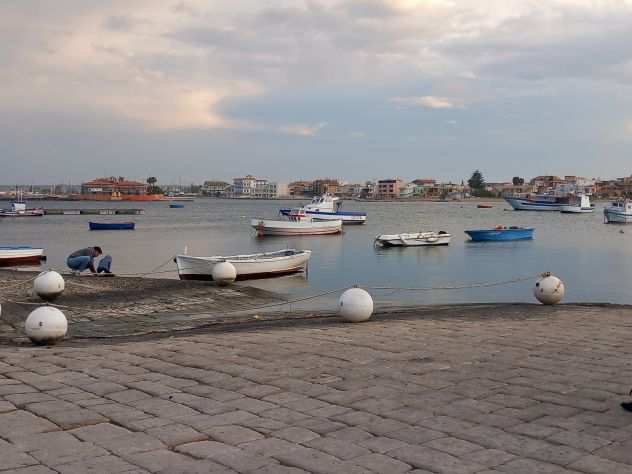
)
(198, 89)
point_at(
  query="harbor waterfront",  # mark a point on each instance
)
(589, 256)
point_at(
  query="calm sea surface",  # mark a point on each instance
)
(593, 259)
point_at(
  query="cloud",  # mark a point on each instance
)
(426, 101)
(302, 129)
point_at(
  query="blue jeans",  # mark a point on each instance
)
(79, 263)
(104, 264)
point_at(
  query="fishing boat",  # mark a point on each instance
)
(581, 205)
(298, 223)
(415, 239)
(18, 209)
(176, 206)
(538, 202)
(11, 255)
(259, 265)
(501, 233)
(112, 225)
(329, 208)
(619, 212)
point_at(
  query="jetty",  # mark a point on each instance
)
(93, 212)
(485, 388)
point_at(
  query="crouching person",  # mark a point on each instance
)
(83, 259)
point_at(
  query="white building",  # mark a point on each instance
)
(254, 188)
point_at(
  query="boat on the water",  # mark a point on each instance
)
(11, 255)
(259, 265)
(484, 206)
(538, 202)
(298, 223)
(112, 225)
(500, 233)
(580, 205)
(329, 208)
(619, 212)
(18, 209)
(415, 239)
(176, 206)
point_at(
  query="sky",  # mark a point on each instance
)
(190, 90)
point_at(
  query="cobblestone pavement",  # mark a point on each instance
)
(481, 389)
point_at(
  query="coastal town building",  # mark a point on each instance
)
(116, 189)
(388, 188)
(407, 191)
(215, 188)
(250, 187)
(325, 185)
(300, 188)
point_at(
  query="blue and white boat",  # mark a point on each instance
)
(500, 233)
(174, 205)
(112, 225)
(328, 208)
(619, 212)
(538, 202)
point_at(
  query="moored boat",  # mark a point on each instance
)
(259, 265)
(329, 208)
(112, 225)
(484, 206)
(176, 206)
(415, 239)
(20, 255)
(500, 233)
(18, 209)
(619, 212)
(297, 224)
(581, 205)
(537, 202)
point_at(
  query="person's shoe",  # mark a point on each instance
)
(627, 406)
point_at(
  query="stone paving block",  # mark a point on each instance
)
(130, 443)
(258, 390)
(268, 446)
(17, 423)
(598, 465)
(167, 461)
(579, 440)
(6, 406)
(295, 434)
(528, 466)
(214, 393)
(128, 395)
(22, 399)
(454, 446)
(278, 469)
(38, 469)
(176, 434)
(103, 388)
(265, 425)
(558, 454)
(489, 457)
(416, 435)
(100, 464)
(12, 458)
(206, 449)
(618, 452)
(284, 415)
(409, 415)
(141, 424)
(315, 461)
(446, 424)
(535, 430)
(69, 419)
(100, 432)
(339, 448)
(251, 405)
(232, 434)
(201, 404)
(433, 460)
(381, 444)
(163, 408)
(230, 418)
(53, 440)
(498, 439)
(381, 464)
(320, 425)
(350, 434)
(68, 454)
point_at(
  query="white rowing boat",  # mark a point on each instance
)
(417, 239)
(259, 265)
(20, 255)
(297, 224)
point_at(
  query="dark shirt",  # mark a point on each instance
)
(87, 252)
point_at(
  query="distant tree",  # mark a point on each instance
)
(152, 188)
(476, 181)
(152, 180)
(517, 181)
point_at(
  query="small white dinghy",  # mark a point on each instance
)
(579, 206)
(297, 224)
(413, 240)
(258, 265)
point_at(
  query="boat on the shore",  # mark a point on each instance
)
(619, 212)
(298, 223)
(112, 225)
(259, 265)
(329, 208)
(11, 255)
(415, 239)
(176, 206)
(18, 209)
(580, 205)
(538, 202)
(500, 233)
(484, 206)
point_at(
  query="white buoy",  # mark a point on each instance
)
(224, 273)
(355, 305)
(46, 325)
(49, 285)
(549, 289)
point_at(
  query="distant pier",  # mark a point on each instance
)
(93, 212)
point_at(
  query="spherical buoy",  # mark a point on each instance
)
(549, 289)
(224, 273)
(49, 285)
(46, 325)
(355, 305)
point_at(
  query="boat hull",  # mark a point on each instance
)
(520, 204)
(27, 213)
(265, 265)
(421, 239)
(266, 227)
(616, 217)
(10, 256)
(112, 226)
(497, 235)
(576, 210)
(347, 217)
